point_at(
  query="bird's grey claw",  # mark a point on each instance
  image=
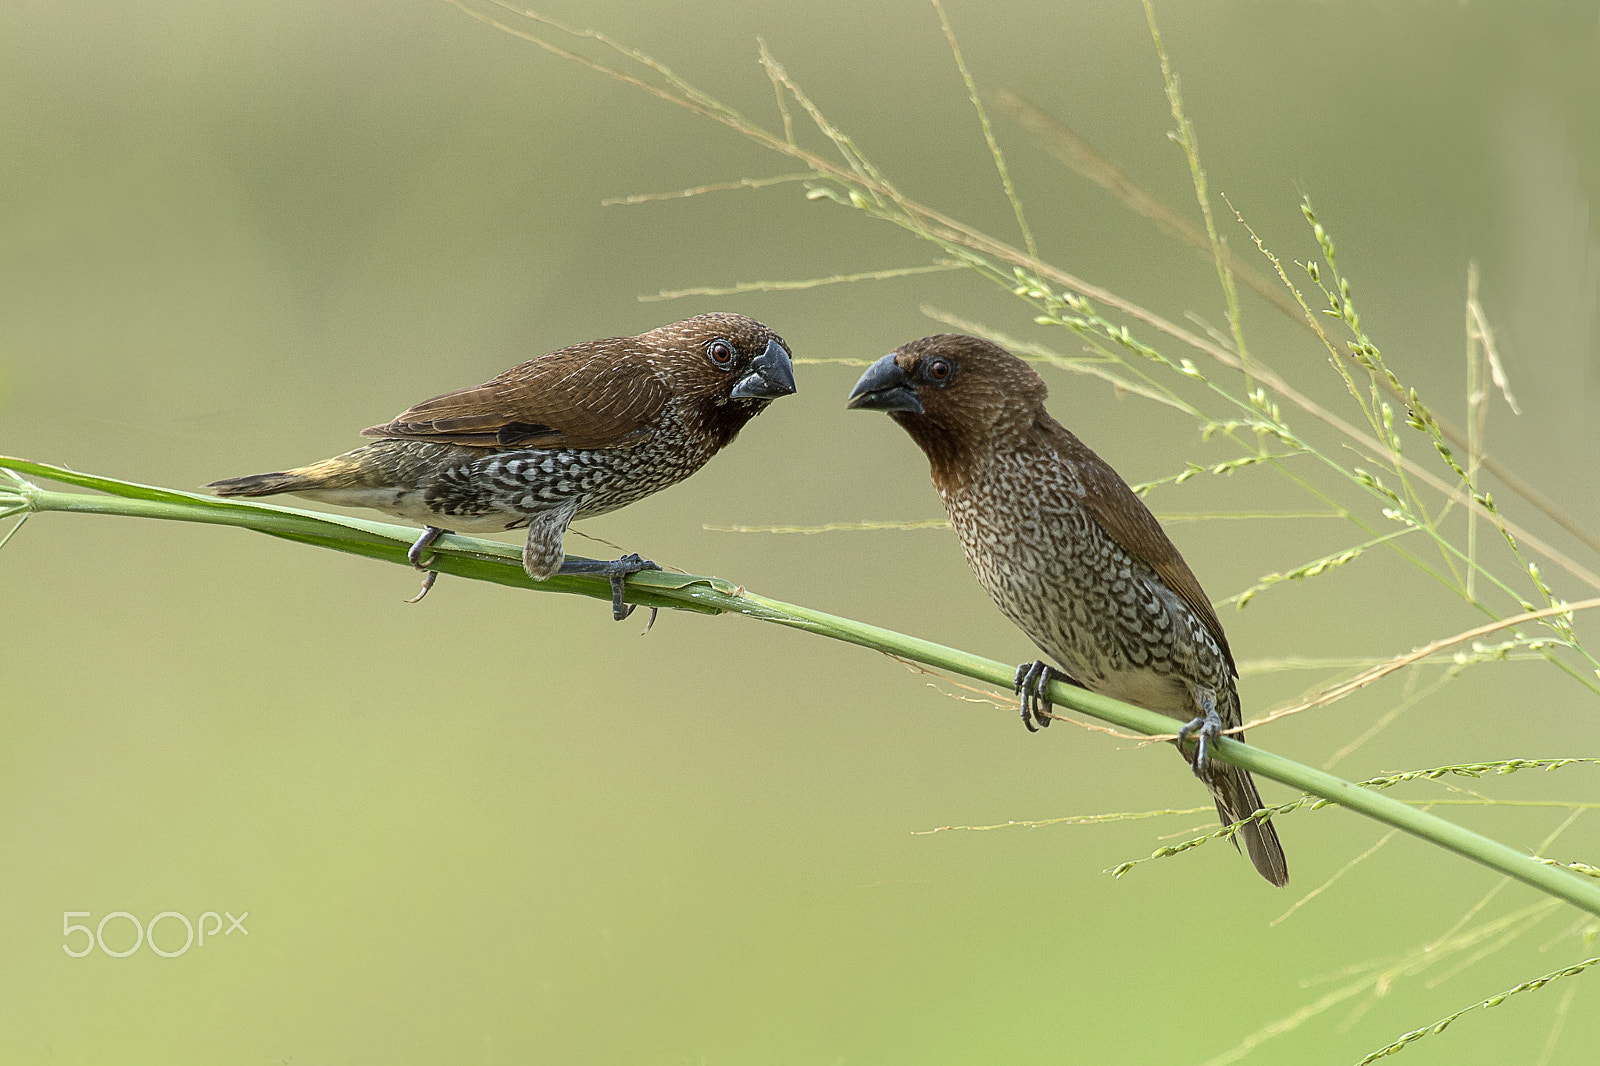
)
(628, 564)
(1032, 686)
(1205, 728)
(428, 579)
(419, 556)
(617, 570)
(619, 610)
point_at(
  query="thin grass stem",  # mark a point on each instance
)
(493, 561)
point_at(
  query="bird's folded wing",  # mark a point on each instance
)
(1122, 514)
(603, 394)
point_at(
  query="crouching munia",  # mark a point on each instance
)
(572, 434)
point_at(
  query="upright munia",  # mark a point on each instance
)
(1071, 555)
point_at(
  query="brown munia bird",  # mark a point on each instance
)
(1070, 554)
(572, 434)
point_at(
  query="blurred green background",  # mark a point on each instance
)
(498, 827)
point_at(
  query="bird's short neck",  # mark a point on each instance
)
(957, 457)
(727, 419)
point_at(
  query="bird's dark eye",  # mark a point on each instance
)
(720, 352)
(940, 370)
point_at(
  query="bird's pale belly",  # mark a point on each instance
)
(1164, 693)
(410, 505)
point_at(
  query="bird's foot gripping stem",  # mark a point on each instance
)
(1032, 685)
(1205, 728)
(617, 570)
(419, 556)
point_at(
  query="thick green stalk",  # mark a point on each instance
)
(492, 561)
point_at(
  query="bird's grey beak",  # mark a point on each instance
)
(771, 375)
(884, 388)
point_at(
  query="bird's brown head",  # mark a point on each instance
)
(957, 396)
(725, 359)
(723, 369)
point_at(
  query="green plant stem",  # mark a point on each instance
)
(501, 563)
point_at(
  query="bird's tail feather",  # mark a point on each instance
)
(1237, 798)
(260, 484)
(377, 465)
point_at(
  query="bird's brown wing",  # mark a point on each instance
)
(1123, 515)
(602, 394)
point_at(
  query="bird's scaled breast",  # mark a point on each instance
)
(1103, 616)
(522, 482)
